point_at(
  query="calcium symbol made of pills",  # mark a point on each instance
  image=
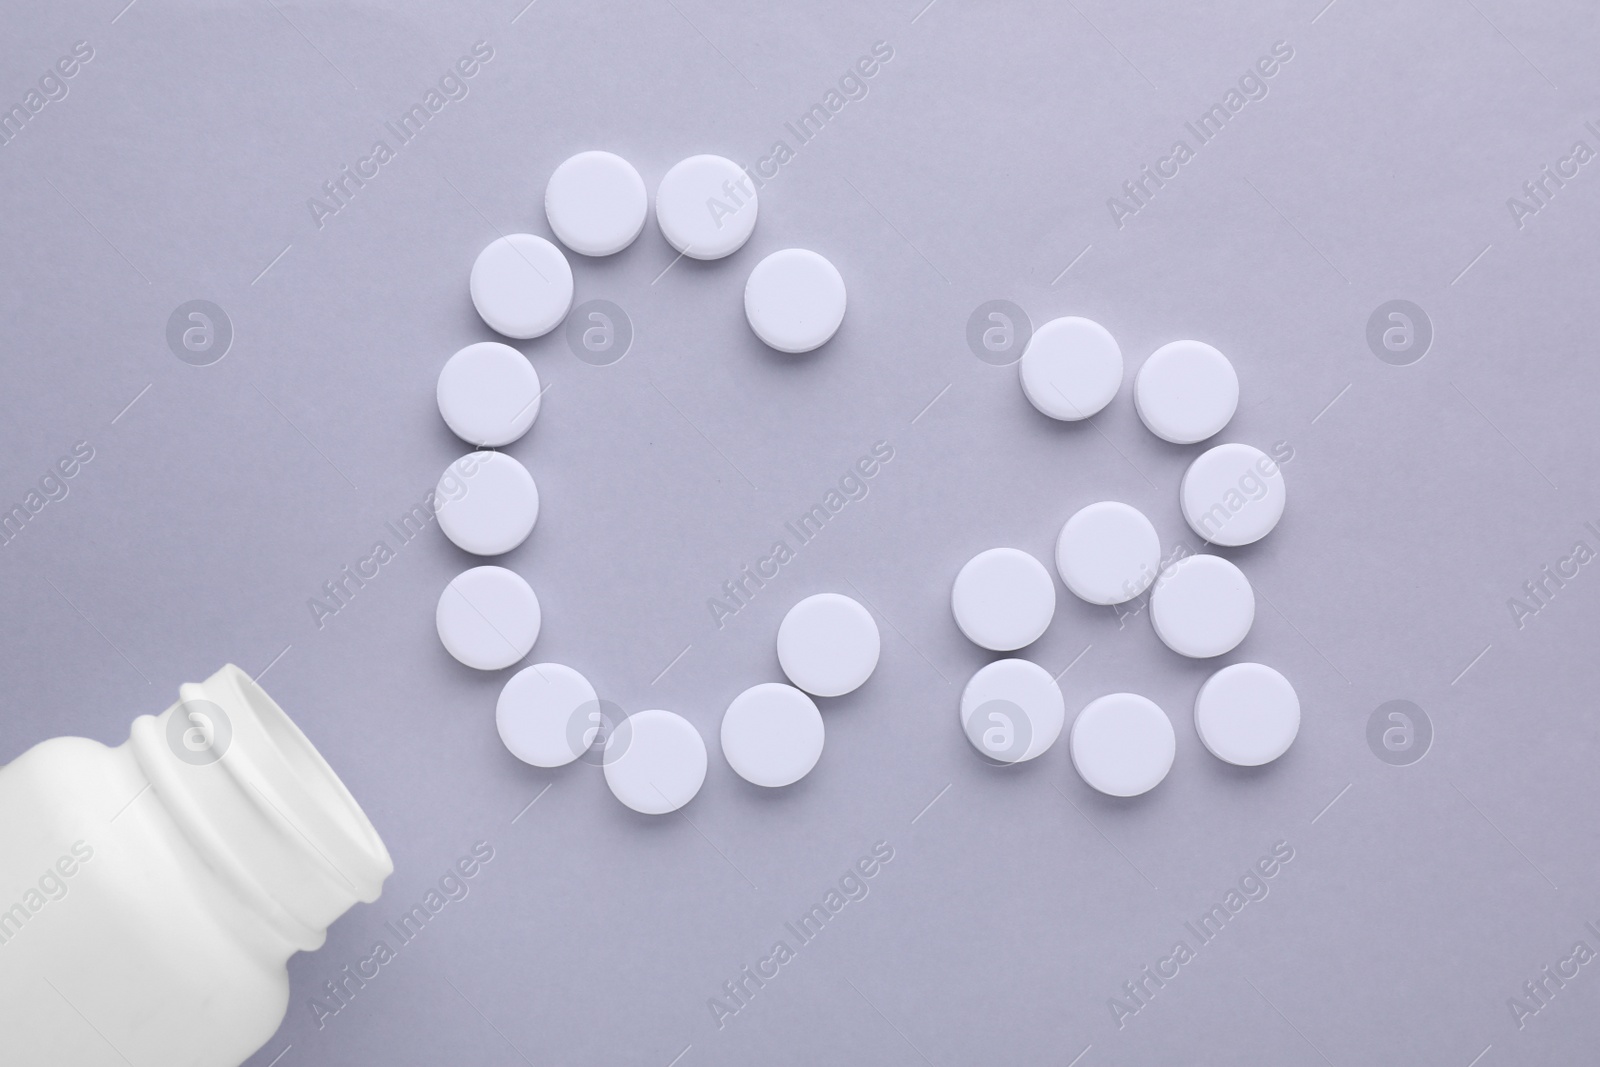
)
(828, 645)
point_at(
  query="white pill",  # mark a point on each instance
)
(488, 394)
(487, 503)
(596, 203)
(1232, 495)
(488, 618)
(1071, 368)
(1123, 744)
(1186, 392)
(543, 714)
(522, 285)
(1003, 599)
(1012, 710)
(794, 300)
(828, 645)
(706, 207)
(1247, 714)
(1202, 606)
(772, 734)
(655, 762)
(1108, 553)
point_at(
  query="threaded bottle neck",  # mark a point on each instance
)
(261, 805)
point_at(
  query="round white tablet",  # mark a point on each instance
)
(536, 713)
(1071, 368)
(487, 503)
(1123, 744)
(488, 617)
(596, 203)
(828, 644)
(1232, 495)
(1012, 710)
(655, 762)
(794, 300)
(1003, 599)
(488, 394)
(706, 207)
(1202, 606)
(1247, 714)
(772, 734)
(522, 285)
(1186, 392)
(1108, 553)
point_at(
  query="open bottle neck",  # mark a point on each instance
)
(261, 805)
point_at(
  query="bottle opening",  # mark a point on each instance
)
(317, 800)
(257, 799)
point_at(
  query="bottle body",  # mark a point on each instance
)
(152, 893)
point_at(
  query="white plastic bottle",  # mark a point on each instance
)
(151, 894)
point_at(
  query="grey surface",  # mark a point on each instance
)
(978, 167)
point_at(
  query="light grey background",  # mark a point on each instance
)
(977, 167)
